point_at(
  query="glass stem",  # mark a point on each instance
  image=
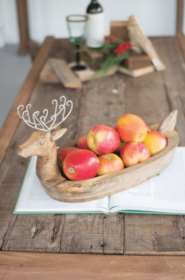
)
(77, 55)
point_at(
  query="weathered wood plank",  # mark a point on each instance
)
(103, 102)
(173, 80)
(47, 75)
(146, 97)
(8, 129)
(113, 234)
(64, 73)
(107, 237)
(83, 234)
(154, 234)
(36, 233)
(28, 266)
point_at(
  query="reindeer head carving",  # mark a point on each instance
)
(42, 142)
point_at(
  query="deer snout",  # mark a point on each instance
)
(21, 152)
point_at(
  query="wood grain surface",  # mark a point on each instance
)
(152, 97)
(136, 61)
(28, 266)
(47, 75)
(119, 30)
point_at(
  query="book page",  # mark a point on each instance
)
(34, 199)
(163, 193)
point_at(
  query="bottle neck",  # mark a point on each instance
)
(94, 7)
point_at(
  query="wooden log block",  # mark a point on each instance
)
(119, 29)
(137, 72)
(136, 61)
(137, 33)
(47, 75)
(83, 75)
(64, 73)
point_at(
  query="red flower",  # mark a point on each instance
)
(110, 38)
(122, 48)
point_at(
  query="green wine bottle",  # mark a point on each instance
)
(95, 25)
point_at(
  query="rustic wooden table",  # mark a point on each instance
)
(151, 97)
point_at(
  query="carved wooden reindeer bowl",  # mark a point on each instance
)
(42, 144)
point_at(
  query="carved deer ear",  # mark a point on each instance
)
(55, 135)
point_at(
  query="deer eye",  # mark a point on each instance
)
(41, 142)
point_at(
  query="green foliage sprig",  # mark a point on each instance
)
(114, 52)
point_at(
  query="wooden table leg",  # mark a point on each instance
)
(179, 16)
(179, 26)
(22, 13)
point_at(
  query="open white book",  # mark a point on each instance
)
(164, 193)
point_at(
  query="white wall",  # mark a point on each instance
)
(9, 21)
(47, 17)
(2, 37)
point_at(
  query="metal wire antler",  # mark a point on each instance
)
(41, 123)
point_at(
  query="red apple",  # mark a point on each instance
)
(81, 165)
(131, 128)
(103, 139)
(155, 141)
(64, 152)
(134, 152)
(82, 143)
(109, 163)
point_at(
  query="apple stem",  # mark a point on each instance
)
(71, 170)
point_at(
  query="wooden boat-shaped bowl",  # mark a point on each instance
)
(62, 189)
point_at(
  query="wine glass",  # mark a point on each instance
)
(77, 26)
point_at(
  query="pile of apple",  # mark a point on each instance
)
(97, 152)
